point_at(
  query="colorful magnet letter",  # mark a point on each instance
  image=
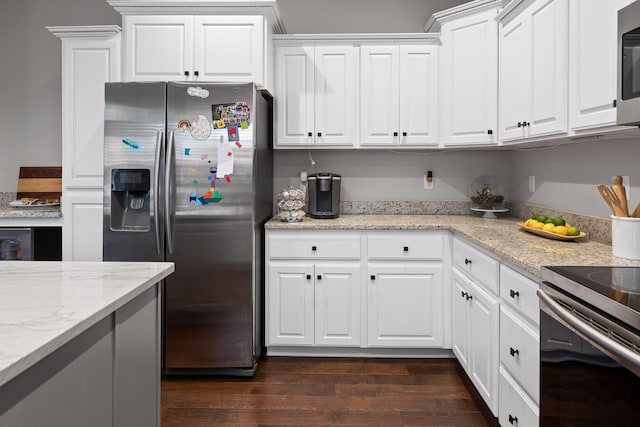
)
(227, 178)
(186, 151)
(244, 125)
(195, 181)
(193, 196)
(192, 170)
(238, 144)
(130, 143)
(204, 157)
(220, 124)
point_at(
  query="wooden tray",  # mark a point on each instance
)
(551, 235)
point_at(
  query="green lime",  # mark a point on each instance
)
(540, 218)
(549, 221)
(559, 221)
(573, 231)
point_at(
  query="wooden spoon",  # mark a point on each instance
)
(610, 199)
(620, 192)
(636, 212)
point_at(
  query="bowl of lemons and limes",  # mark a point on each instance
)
(554, 228)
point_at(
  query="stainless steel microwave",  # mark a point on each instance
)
(628, 99)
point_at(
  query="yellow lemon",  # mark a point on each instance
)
(538, 225)
(530, 222)
(548, 226)
(568, 225)
(561, 230)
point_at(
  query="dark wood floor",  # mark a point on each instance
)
(323, 392)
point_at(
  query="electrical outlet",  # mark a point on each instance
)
(532, 183)
(627, 186)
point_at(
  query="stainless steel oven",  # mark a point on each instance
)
(15, 244)
(590, 346)
(628, 99)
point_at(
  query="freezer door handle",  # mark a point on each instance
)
(156, 186)
(167, 191)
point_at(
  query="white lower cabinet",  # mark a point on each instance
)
(314, 304)
(516, 408)
(318, 298)
(475, 326)
(405, 305)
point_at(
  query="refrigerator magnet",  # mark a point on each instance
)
(200, 128)
(192, 170)
(130, 143)
(219, 124)
(187, 151)
(194, 196)
(204, 157)
(244, 125)
(232, 132)
(184, 126)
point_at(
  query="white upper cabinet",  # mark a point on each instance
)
(534, 70)
(469, 80)
(399, 95)
(592, 62)
(316, 101)
(186, 47)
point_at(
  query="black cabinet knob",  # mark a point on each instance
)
(373, 277)
(186, 74)
(310, 134)
(319, 277)
(463, 294)
(513, 293)
(467, 261)
(308, 277)
(196, 73)
(406, 248)
(514, 352)
(489, 131)
(313, 248)
(404, 134)
(519, 124)
(469, 297)
(395, 134)
(319, 134)
(512, 419)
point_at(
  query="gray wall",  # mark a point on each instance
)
(30, 79)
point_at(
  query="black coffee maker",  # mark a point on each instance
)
(324, 195)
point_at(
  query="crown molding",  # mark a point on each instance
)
(436, 20)
(356, 38)
(85, 31)
(513, 9)
(266, 8)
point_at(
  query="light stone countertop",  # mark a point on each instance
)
(501, 236)
(44, 305)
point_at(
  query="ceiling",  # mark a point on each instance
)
(359, 16)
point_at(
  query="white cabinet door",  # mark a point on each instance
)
(335, 95)
(483, 349)
(379, 94)
(549, 48)
(337, 305)
(460, 318)
(469, 80)
(157, 47)
(228, 48)
(294, 103)
(82, 229)
(405, 304)
(418, 95)
(290, 303)
(515, 65)
(592, 63)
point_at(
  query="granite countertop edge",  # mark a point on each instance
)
(503, 237)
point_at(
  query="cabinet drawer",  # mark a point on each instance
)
(515, 408)
(520, 352)
(520, 293)
(479, 266)
(312, 246)
(406, 247)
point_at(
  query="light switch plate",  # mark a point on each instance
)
(532, 183)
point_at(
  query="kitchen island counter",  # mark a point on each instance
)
(57, 318)
(501, 236)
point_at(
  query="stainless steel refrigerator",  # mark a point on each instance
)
(188, 179)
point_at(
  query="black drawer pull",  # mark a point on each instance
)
(467, 261)
(406, 248)
(313, 248)
(319, 277)
(404, 134)
(514, 351)
(373, 277)
(513, 293)
(490, 132)
(319, 134)
(395, 134)
(308, 277)
(512, 419)
(310, 134)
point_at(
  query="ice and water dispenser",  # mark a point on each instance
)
(130, 199)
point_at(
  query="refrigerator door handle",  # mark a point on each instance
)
(156, 186)
(167, 191)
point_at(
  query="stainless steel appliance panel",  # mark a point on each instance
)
(628, 93)
(209, 307)
(134, 137)
(16, 244)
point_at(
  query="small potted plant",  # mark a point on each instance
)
(486, 193)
